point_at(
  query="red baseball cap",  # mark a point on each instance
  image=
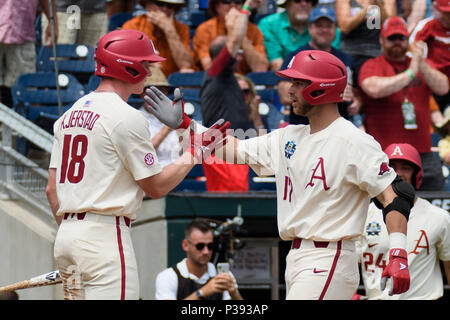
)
(442, 5)
(394, 25)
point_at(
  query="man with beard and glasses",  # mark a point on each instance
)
(396, 94)
(194, 277)
(286, 31)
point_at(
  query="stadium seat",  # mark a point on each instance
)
(117, 20)
(263, 80)
(35, 97)
(76, 59)
(37, 90)
(194, 181)
(180, 79)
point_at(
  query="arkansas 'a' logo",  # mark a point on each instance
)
(318, 175)
(383, 168)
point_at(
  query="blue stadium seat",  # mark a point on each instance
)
(93, 83)
(35, 97)
(76, 59)
(266, 79)
(271, 116)
(194, 181)
(117, 20)
(193, 79)
(35, 90)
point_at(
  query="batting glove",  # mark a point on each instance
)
(202, 145)
(397, 269)
(169, 112)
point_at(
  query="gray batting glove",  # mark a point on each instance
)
(169, 112)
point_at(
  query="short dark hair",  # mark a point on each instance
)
(201, 224)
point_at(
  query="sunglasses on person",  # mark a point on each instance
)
(246, 91)
(396, 37)
(199, 246)
(232, 1)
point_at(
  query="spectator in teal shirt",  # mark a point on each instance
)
(286, 31)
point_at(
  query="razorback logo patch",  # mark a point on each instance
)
(383, 168)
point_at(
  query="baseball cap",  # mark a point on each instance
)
(394, 25)
(442, 5)
(322, 12)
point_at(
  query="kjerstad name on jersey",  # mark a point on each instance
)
(80, 119)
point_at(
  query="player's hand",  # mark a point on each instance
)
(397, 269)
(202, 145)
(169, 112)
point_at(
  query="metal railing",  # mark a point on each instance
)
(20, 177)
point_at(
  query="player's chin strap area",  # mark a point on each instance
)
(403, 202)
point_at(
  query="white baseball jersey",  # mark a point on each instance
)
(324, 180)
(428, 241)
(101, 147)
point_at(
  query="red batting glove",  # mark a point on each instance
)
(397, 269)
(202, 145)
(186, 120)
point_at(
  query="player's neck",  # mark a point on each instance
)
(112, 85)
(322, 116)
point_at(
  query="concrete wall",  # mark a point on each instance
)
(26, 249)
(149, 234)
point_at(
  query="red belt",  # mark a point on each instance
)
(82, 215)
(318, 244)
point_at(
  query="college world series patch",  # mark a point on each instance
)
(289, 149)
(373, 228)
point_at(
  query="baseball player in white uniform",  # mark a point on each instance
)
(101, 165)
(428, 239)
(326, 172)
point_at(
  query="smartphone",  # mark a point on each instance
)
(223, 267)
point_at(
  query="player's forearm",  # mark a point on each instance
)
(52, 197)
(159, 185)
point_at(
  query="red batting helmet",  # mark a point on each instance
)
(407, 152)
(328, 76)
(120, 54)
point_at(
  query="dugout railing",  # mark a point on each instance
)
(20, 177)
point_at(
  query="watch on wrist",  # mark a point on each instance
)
(199, 294)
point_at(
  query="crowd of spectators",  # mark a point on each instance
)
(396, 51)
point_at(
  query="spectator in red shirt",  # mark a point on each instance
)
(435, 32)
(396, 93)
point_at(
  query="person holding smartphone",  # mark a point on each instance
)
(194, 277)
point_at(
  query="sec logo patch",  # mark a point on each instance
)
(149, 159)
